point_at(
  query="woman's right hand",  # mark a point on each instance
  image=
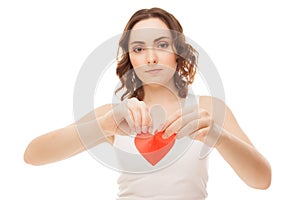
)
(131, 116)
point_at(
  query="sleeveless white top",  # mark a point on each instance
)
(180, 175)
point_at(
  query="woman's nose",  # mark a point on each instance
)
(151, 56)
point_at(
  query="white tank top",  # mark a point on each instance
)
(180, 175)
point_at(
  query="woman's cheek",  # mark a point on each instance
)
(136, 61)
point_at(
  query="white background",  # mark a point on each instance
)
(254, 45)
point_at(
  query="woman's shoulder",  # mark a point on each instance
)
(209, 102)
(205, 98)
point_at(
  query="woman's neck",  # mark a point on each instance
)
(157, 94)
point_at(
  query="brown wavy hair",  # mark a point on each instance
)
(186, 56)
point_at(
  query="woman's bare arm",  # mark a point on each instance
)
(66, 142)
(238, 151)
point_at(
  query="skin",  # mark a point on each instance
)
(147, 52)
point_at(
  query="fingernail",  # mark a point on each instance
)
(138, 129)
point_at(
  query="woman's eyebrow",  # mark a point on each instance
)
(137, 42)
(160, 38)
(157, 39)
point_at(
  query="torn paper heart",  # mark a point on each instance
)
(153, 147)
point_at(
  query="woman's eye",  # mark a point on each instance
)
(137, 49)
(163, 45)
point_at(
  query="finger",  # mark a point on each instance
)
(198, 123)
(158, 117)
(189, 128)
(170, 120)
(180, 112)
(134, 107)
(130, 122)
(194, 125)
(182, 122)
(200, 134)
(137, 121)
(146, 121)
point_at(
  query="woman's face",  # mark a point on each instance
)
(151, 52)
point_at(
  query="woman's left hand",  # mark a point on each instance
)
(190, 121)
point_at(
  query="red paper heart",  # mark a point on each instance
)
(153, 147)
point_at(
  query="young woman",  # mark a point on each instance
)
(155, 69)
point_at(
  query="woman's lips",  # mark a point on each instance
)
(153, 71)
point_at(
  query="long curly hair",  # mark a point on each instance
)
(186, 56)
